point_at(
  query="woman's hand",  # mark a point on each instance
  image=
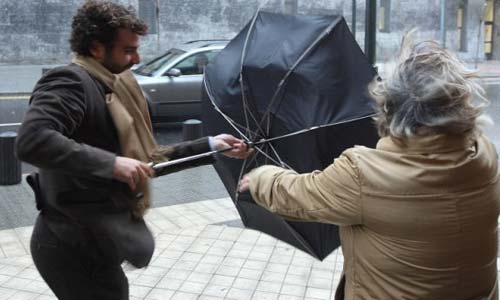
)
(244, 184)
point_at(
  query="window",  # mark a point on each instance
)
(196, 63)
(488, 28)
(384, 16)
(157, 64)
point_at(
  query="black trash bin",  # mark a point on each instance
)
(10, 165)
(192, 129)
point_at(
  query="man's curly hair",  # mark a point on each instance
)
(99, 21)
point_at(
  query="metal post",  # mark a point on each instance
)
(291, 7)
(481, 16)
(353, 24)
(371, 30)
(192, 129)
(157, 11)
(10, 168)
(443, 23)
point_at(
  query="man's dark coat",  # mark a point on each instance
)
(69, 134)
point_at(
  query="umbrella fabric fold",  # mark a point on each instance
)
(301, 81)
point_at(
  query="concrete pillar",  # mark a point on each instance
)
(496, 32)
(442, 23)
(192, 129)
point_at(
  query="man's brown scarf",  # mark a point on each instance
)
(129, 111)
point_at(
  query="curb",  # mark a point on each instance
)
(15, 96)
(491, 75)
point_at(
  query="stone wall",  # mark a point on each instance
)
(37, 31)
(424, 15)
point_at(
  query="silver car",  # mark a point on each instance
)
(172, 82)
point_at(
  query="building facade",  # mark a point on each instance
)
(37, 31)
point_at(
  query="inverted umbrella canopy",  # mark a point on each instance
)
(296, 88)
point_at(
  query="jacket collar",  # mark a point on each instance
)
(440, 143)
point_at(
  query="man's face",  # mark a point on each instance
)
(123, 54)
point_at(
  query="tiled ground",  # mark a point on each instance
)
(194, 259)
(197, 256)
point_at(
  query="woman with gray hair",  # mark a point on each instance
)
(418, 215)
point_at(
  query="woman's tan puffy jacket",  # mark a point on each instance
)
(417, 221)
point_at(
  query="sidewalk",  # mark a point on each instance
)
(489, 69)
(197, 256)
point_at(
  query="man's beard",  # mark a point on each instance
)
(113, 67)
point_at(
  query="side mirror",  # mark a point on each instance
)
(174, 72)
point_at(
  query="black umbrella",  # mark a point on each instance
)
(294, 87)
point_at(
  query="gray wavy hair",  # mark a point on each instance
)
(429, 92)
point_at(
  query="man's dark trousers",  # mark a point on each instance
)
(76, 272)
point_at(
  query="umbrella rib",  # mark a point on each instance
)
(308, 129)
(242, 127)
(243, 56)
(227, 118)
(282, 163)
(244, 166)
(267, 155)
(246, 110)
(231, 122)
(234, 125)
(299, 60)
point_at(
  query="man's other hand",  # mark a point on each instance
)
(131, 171)
(239, 148)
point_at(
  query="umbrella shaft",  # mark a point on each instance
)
(185, 159)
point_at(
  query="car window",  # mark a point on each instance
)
(156, 64)
(195, 64)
